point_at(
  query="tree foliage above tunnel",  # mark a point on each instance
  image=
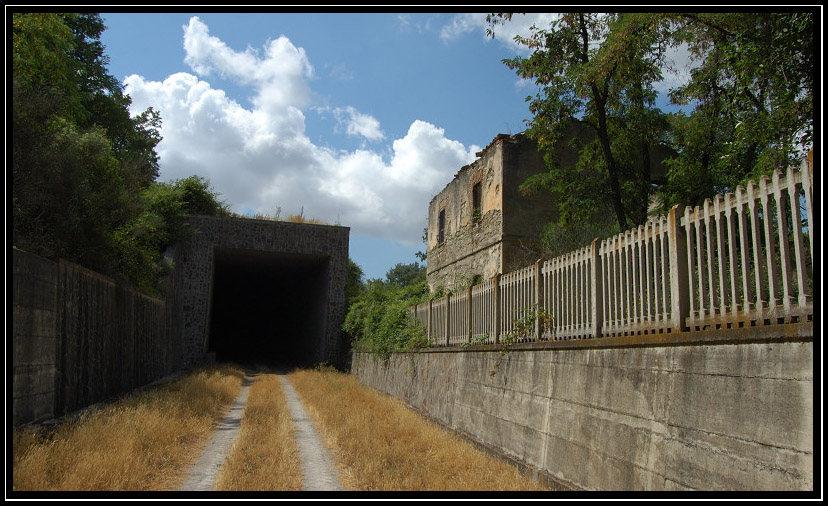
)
(83, 169)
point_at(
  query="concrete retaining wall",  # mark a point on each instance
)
(34, 337)
(714, 416)
(80, 338)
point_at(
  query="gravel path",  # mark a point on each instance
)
(203, 473)
(317, 466)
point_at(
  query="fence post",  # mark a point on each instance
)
(807, 171)
(448, 318)
(469, 311)
(796, 219)
(538, 301)
(679, 280)
(597, 294)
(430, 310)
(496, 293)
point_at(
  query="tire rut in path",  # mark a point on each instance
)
(203, 473)
(317, 466)
(318, 470)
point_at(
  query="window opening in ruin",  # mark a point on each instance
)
(477, 197)
(441, 227)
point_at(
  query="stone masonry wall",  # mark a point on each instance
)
(471, 244)
(504, 236)
(482, 254)
(194, 261)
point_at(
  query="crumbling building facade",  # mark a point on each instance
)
(480, 224)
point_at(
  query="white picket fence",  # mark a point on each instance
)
(742, 259)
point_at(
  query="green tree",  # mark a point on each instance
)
(354, 285)
(752, 93)
(105, 104)
(750, 97)
(596, 72)
(83, 168)
(79, 162)
(198, 197)
(142, 240)
(379, 321)
(406, 274)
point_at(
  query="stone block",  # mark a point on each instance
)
(34, 350)
(753, 409)
(704, 461)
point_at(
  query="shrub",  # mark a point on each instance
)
(379, 321)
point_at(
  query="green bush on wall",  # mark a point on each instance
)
(379, 321)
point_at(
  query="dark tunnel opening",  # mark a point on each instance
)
(268, 308)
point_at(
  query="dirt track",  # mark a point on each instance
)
(317, 465)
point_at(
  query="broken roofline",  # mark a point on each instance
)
(498, 138)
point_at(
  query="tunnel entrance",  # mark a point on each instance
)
(268, 308)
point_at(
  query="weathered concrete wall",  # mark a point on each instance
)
(80, 338)
(194, 260)
(34, 337)
(682, 417)
(112, 338)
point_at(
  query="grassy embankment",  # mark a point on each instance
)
(380, 444)
(143, 442)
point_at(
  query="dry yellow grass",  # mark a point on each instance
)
(144, 442)
(265, 455)
(380, 444)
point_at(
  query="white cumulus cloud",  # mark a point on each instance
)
(259, 157)
(359, 124)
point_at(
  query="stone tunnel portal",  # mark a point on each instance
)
(268, 308)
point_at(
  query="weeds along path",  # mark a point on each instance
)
(143, 441)
(266, 455)
(269, 439)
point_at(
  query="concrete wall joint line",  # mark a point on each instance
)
(734, 437)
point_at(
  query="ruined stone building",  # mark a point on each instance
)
(480, 224)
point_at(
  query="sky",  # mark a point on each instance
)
(355, 119)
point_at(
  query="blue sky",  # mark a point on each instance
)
(350, 118)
